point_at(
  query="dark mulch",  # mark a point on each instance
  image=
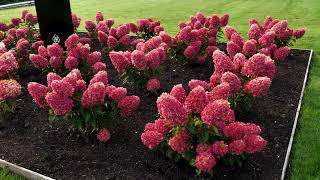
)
(55, 150)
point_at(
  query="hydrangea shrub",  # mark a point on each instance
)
(9, 91)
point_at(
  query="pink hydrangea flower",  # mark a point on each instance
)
(110, 22)
(73, 77)
(193, 83)
(62, 88)
(222, 91)
(254, 143)
(267, 22)
(233, 49)
(51, 77)
(90, 26)
(55, 50)
(237, 147)
(16, 21)
(103, 38)
(178, 92)
(8, 64)
(267, 39)
(21, 33)
(165, 37)
(235, 130)
(117, 94)
(23, 44)
(153, 85)
(125, 40)
(153, 59)
(180, 142)
(249, 48)
(9, 89)
(220, 149)
(281, 53)
(58, 103)
(258, 86)
(122, 30)
(101, 76)
(42, 51)
(238, 62)
(99, 66)
(75, 21)
(151, 139)
(254, 32)
(94, 95)
(259, 65)
(119, 61)
(38, 93)
(85, 40)
(99, 16)
(138, 59)
(224, 20)
(183, 35)
(203, 148)
(228, 31)
(233, 81)
(196, 100)
(252, 129)
(72, 41)
(171, 109)
(83, 50)
(205, 162)
(128, 105)
(80, 86)
(221, 61)
(163, 126)
(237, 39)
(218, 114)
(299, 33)
(38, 61)
(215, 21)
(37, 44)
(94, 57)
(71, 63)
(280, 27)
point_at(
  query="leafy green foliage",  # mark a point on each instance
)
(7, 105)
(138, 78)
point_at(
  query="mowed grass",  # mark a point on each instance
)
(305, 163)
(7, 175)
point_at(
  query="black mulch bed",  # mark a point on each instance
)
(57, 151)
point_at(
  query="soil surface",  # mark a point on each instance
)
(58, 151)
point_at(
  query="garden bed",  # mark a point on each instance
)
(57, 151)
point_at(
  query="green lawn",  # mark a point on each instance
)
(6, 175)
(305, 162)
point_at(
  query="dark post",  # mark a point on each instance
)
(55, 20)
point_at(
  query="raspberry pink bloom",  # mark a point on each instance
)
(128, 105)
(122, 30)
(219, 149)
(196, 100)
(119, 61)
(237, 147)
(267, 22)
(258, 86)
(133, 27)
(42, 51)
(259, 65)
(233, 81)
(80, 86)
(90, 26)
(99, 16)
(299, 33)
(103, 135)
(75, 21)
(37, 44)
(153, 59)
(171, 109)
(205, 162)
(254, 143)
(252, 129)
(58, 103)
(125, 40)
(153, 85)
(38, 61)
(72, 41)
(249, 48)
(117, 94)
(218, 114)
(203, 148)
(38, 93)
(55, 50)
(99, 66)
(233, 49)
(254, 32)
(110, 22)
(267, 39)
(103, 38)
(228, 31)
(62, 88)
(101, 76)
(190, 51)
(138, 59)
(222, 91)
(8, 64)
(215, 78)
(235, 130)
(162, 126)
(221, 61)
(180, 142)
(9, 89)
(281, 53)
(71, 63)
(280, 27)
(51, 77)
(151, 139)
(184, 33)
(94, 57)
(73, 77)
(94, 95)
(238, 62)
(85, 40)
(21, 33)
(214, 21)
(224, 20)
(193, 83)
(178, 92)
(166, 38)
(23, 44)
(236, 38)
